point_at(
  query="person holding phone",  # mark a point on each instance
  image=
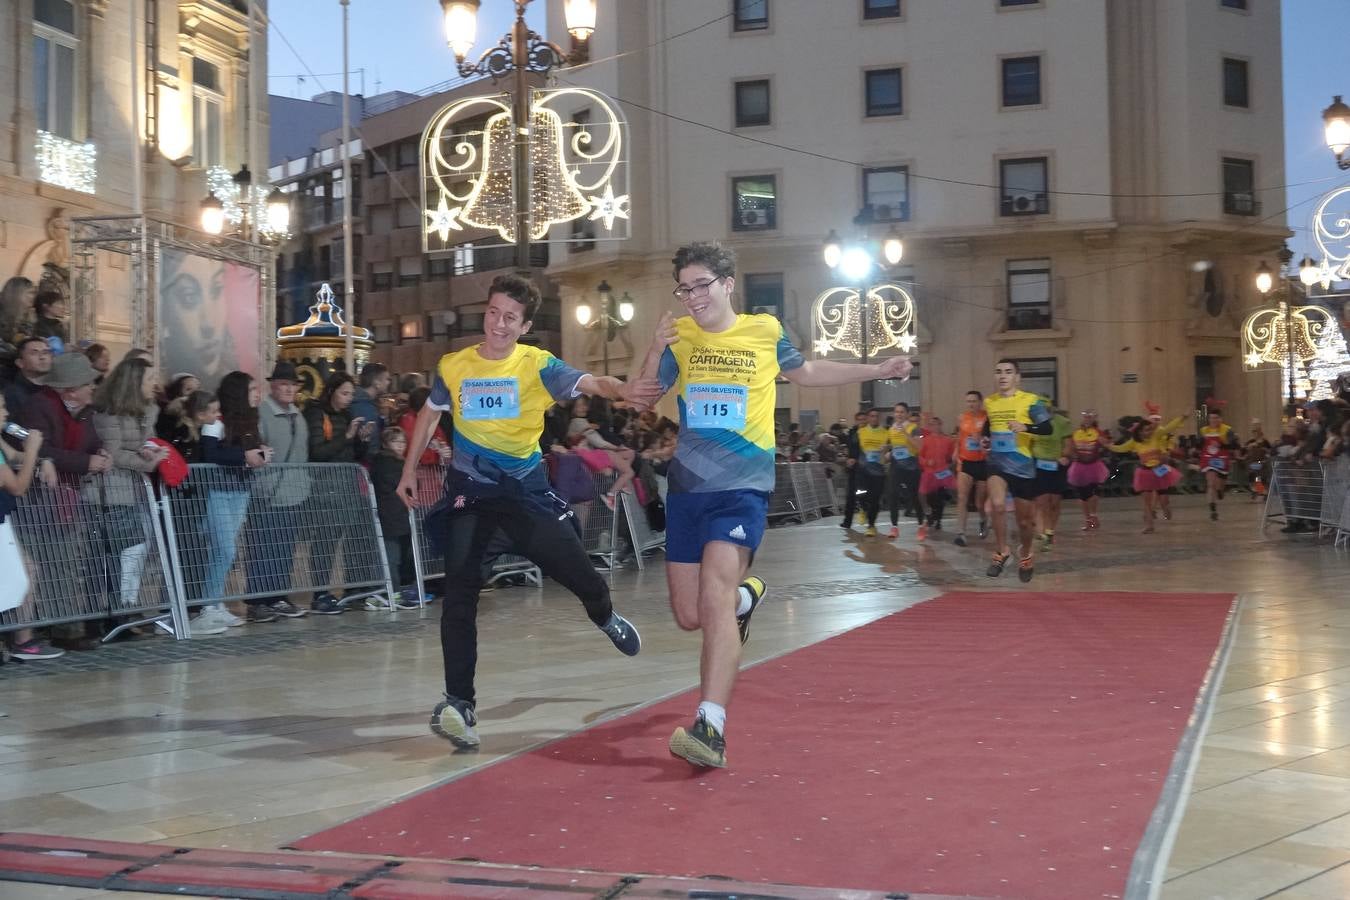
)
(335, 436)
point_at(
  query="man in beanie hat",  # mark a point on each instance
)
(279, 495)
(61, 411)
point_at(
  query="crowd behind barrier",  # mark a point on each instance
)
(1314, 494)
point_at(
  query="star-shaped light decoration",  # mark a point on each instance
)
(1253, 359)
(906, 343)
(443, 219)
(608, 207)
(822, 347)
(1326, 274)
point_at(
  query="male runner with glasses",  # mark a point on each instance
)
(499, 391)
(724, 366)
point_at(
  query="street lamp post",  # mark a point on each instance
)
(613, 316)
(519, 53)
(1265, 282)
(255, 224)
(857, 262)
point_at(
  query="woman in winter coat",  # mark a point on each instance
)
(124, 417)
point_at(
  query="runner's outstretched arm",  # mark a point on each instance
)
(829, 373)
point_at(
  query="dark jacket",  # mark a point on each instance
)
(385, 472)
(68, 440)
(189, 447)
(328, 441)
(364, 405)
(19, 392)
(852, 449)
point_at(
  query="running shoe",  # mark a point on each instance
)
(287, 609)
(870, 532)
(847, 526)
(1167, 513)
(623, 634)
(1025, 569)
(1095, 522)
(702, 745)
(758, 590)
(35, 649)
(205, 624)
(960, 540)
(1087, 525)
(922, 533)
(996, 565)
(894, 532)
(454, 720)
(984, 529)
(378, 603)
(1148, 529)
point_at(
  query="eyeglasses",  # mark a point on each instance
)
(697, 289)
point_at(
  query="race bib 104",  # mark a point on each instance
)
(489, 398)
(716, 406)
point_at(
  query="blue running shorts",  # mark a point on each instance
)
(694, 520)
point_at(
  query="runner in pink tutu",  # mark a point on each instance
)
(1088, 472)
(1156, 474)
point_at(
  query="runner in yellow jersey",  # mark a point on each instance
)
(724, 367)
(1014, 416)
(498, 391)
(872, 443)
(1218, 443)
(905, 437)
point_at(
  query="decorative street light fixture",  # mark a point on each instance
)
(613, 317)
(869, 316)
(1336, 118)
(1284, 335)
(519, 52)
(256, 213)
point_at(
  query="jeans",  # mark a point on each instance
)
(535, 533)
(224, 517)
(399, 552)
(272, 539)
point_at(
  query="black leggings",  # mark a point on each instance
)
(1087, 491)
(904, 479)
(875, 486)
(936, 502)
(537, 534)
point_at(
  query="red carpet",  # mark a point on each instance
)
(990, 744)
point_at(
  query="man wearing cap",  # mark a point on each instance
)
(61, 411)
(278, 498)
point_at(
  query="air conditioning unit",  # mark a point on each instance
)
(882, 212)
(1020, 201)
(754, 218)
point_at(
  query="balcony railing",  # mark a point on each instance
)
(1241, 203)
(1030, 318)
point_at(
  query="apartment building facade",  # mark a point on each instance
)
(98, 89)
(1086, 186)
(417, 306)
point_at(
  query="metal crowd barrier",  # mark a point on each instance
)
(236, 534)
(428, 560)
(93, 550)
(1335, 515)
(802, 492)
(1295, 493)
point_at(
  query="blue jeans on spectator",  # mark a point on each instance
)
(224, 518)
(272, 538)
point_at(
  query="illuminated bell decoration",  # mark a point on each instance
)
(553, 196)
(574, 167)
(838, 323)
(1267, 335)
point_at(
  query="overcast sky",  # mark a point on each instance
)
(399, 45)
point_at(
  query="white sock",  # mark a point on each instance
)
(744, 600)
(714, 714)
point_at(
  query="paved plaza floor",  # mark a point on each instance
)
(255, 738)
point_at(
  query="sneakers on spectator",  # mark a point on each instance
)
(407, 600)
(453, 719)
(227, 618)
(287, 609)
(378, 603)
(623, 634)
(205, 624)
(258, 613)
(35, 649)
(325, 605)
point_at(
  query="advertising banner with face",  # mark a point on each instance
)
(208, 316)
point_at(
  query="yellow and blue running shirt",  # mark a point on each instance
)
(872, 442)
(726, 396)
(1010, 451)
(498, 406)
(904, 449)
